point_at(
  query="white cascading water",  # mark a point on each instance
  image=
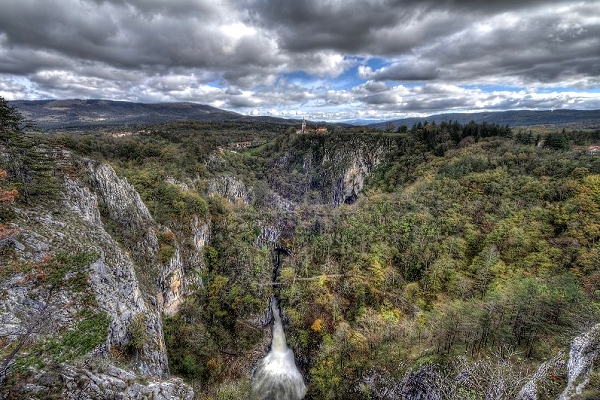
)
(276, 376)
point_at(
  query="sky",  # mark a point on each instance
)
(332, 60)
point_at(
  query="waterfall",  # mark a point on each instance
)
(276, 376)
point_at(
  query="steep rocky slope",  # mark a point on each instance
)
(127, 358)
(329, 170)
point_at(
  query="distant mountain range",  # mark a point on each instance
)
(583, 119)
(86, 114)
(73, 114)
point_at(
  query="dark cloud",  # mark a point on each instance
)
(310, 25)
(360, 26)
(26, 61)
(374, 87)
(541, 47)
(242, 102)
(411, 70)
(380, 98)
(356, 26)
(133, 35)
(158, 8)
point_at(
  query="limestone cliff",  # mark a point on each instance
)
(326, 170)
(563, 378)
(166, 282)
(583, 354)
(568, 376)
(77, 224)
(361, 160)
(230, 188)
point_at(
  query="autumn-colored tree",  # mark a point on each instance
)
(6, 196)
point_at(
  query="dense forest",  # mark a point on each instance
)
(471, 247)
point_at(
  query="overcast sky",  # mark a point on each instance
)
(323, 59)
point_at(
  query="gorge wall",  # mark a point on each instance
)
(326, 170)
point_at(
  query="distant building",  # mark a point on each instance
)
(121, 134)
(305, 129)
(594, 150)
(240, 145)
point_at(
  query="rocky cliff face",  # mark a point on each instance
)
(563, 378)
(110, 382)
(327, 170)
(169, 281)
(125, 207)
(74, 226)
(569, 377)
(230, 188)
(360, 162)
(584, 352)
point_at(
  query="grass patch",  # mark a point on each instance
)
(87, 334)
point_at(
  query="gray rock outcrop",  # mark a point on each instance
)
(584, 352)
(421, 384)
(230, 188)
(116, 383)
(111, 280)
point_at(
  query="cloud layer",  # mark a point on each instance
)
(326, 59)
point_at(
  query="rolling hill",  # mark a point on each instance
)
(73, 114)
(86, 114)
(584, 119)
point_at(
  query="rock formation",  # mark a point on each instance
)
(77, 226)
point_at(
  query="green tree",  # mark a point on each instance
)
(11, 121)
(30, 161)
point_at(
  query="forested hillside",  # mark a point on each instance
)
(448, 258)
(579, 118)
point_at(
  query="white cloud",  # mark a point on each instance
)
(321, 58)
(365, 72)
